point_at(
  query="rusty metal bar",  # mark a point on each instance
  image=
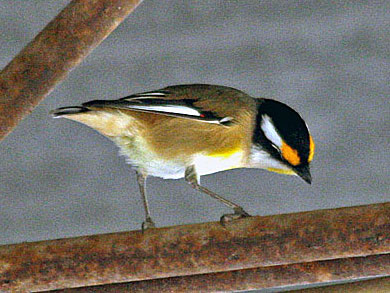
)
(285, 276)
(54, 52)
(377, 285)
(196, 249)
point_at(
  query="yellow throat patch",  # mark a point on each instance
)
(282, 171)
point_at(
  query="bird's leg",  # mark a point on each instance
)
(141, 179)
(192, 178)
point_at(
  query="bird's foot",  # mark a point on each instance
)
(148, 224)
(238, 214)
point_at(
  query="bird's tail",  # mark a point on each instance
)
(57, 113)
(107, 121)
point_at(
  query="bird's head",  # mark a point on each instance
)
(281, 140)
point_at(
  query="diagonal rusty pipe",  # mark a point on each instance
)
(197, 249)
(54, 52)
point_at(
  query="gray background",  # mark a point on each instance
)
(327, 59)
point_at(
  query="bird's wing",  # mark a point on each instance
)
(163, 102)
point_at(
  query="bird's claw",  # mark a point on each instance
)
(148, 224)
(238, 214)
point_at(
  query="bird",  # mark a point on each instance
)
(187, 131)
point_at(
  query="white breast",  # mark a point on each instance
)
(139, 155)
(206, 164)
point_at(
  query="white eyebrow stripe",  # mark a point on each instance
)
(177, 109)
(270, 131)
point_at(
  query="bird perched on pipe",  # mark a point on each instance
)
(186, 131)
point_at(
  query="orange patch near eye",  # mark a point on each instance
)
(290, 154)
(311, 149)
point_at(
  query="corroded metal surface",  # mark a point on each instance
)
(47, 60)
(377, 285)
(197, 249)
(286, 276)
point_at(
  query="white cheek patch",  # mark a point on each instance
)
(261, 159)
(270, 131)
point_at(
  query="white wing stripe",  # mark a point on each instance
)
(155, 94)
(226, 119)
(168, 109)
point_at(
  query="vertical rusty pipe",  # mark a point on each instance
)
(54, 52)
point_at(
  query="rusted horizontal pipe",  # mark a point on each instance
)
(56, 50)
(285, 276)
(377, 285)
(197, 249)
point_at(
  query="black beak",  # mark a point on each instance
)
(304, 173)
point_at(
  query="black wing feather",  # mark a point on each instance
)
(131, 102)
